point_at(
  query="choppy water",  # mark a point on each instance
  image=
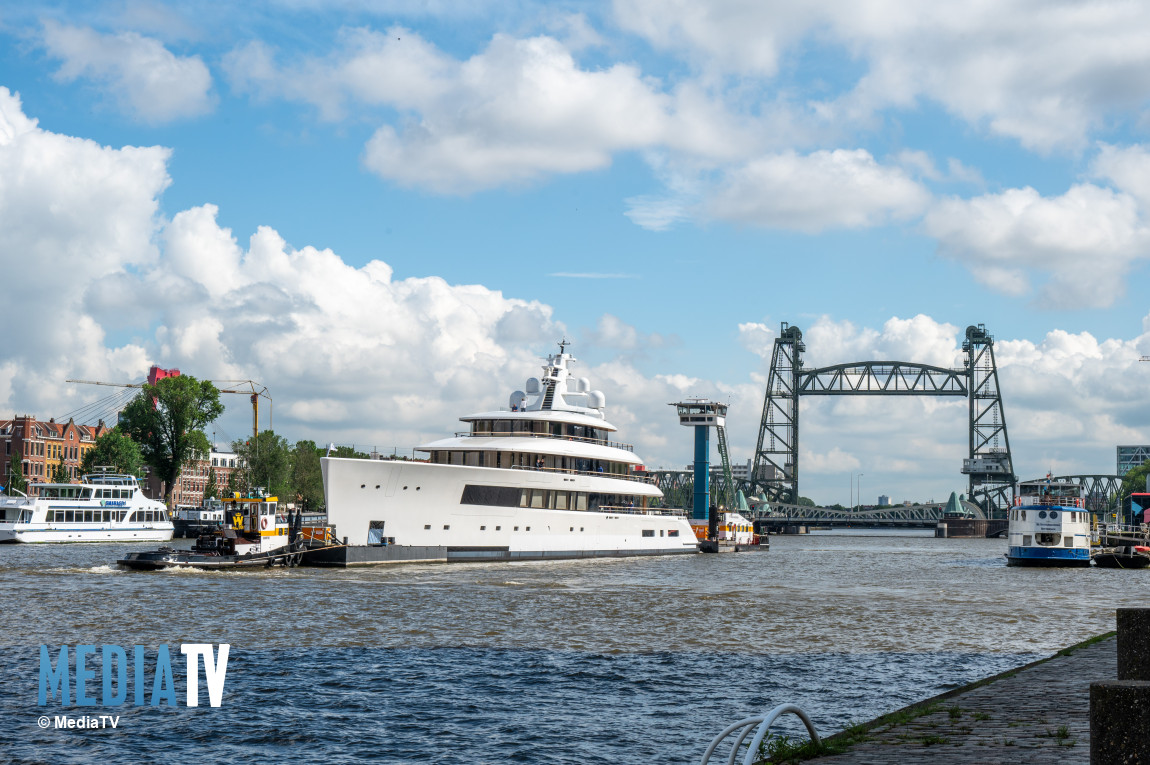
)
(611, 661)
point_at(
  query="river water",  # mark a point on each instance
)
(606, 661)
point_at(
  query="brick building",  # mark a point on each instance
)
(40, 447)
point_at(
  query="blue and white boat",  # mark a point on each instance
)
(1049, 525)
(101, 508)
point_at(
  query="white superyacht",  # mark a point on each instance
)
(539, 480)
(101, 508)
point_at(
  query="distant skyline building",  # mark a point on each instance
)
(1130, 457)
(883, 499)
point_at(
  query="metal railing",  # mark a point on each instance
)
(628, 510)
(571, 471)
(582, 439)
(763, 723)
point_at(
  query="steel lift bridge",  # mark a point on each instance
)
(988, 466)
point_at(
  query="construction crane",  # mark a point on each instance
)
(253, 390)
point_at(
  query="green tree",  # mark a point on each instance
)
(306, 476)
(60, 474)
(233, 483)
(348, 452)
(115, 450)
(211, 489)
(266, 462)
(16, 480)
(167, 420)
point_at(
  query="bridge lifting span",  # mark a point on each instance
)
(988, 467)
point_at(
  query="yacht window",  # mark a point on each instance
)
(497, 496)
(446, 526)
(539, 498)
(483, 528)
(498, 528)
(581, 501)
(673, 533)
(648, 532)
(528, 528)
(517, 528)
(561, 500)
(426, 526)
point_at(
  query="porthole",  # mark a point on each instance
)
(1053, 515)
(1042, 514)
(528, 528)
(377, 486)
(417, 488)
(427, 527)
(363, 486)
(483, 528)
(499, 528)
(405, 488)
(446, 526)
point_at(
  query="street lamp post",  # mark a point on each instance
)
(858, 493)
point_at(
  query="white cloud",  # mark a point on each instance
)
(73, 213)
(1043, 73)
(519, 110)
(145, 79)
(825, 189)
(1083, 243)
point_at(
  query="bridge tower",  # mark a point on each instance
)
(702, 415)
(989, 468)
(775, 469)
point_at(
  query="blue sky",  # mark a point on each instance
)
(663, 182)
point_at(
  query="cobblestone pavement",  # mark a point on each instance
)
(1039, 715)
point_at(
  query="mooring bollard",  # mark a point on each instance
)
(1119, 725)
(1133, 648)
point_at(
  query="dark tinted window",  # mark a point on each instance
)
(499, 496)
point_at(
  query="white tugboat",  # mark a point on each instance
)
(103, 507)
(1049, 525)
(538, 480)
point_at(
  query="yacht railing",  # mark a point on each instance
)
(628, 510)
(582, 439)
(569, 471)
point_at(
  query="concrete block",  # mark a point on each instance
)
(1119, 722)
(1134, 643)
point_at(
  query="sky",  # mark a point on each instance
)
(389, 212)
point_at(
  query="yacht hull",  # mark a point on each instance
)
(418, 504)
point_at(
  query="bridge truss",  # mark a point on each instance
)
(989, 467)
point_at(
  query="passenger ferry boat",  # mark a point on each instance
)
(103, 507)
(1049, 525)
(538, 480)
(191, 522)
